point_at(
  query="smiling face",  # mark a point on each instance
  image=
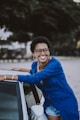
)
(42, 53)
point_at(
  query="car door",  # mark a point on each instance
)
(34, 103)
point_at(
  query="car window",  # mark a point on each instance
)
(10, 102)
(30, 98)
(32, 94)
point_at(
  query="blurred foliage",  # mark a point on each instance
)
(59, 20)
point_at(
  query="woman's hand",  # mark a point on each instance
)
(2, 77)
(21, 69)
(16, 69)
(8, 77)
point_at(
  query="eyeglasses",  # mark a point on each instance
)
(41, 50)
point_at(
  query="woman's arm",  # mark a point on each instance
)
(51, 70)
(8, 77)
(21, 69)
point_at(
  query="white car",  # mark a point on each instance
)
(20, 101)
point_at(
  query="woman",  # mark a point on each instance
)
(47, 73)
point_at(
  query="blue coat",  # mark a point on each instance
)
(55, 88)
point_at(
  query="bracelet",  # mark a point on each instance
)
(12, 78)
(4, 77)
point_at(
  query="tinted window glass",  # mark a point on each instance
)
(10, 108)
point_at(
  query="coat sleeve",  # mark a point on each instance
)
(52, 69)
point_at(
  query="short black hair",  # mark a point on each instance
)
(39, 39)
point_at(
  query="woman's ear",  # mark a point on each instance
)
(33, 55)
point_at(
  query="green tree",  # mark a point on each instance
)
(41, 17)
